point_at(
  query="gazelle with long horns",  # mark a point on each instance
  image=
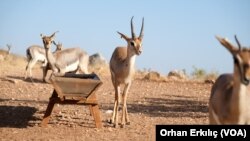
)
(67, 60)
(229, 102)
(122, 68)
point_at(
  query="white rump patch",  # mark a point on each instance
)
(40, 57)
(72, 67)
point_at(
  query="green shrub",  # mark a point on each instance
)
(201, 74)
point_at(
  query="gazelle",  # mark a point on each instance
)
(67, 60)
(230, 95)
(4, 53)
(34, 54)
(9, 47)
(122, 68)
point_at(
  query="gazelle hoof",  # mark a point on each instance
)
(115, 126)
(127, 123)
(122, 125)
(110, 121)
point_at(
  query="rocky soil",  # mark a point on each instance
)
(23, 104)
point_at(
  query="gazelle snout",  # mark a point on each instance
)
(247, 72)
(138, 48)
(47, 42)
(139, 51)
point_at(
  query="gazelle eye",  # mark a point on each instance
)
(245, 66)
(132, 43)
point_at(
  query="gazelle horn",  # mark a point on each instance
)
(132, 29)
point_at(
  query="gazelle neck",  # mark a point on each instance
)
(50, 57)
(239, 94)
(130, 60)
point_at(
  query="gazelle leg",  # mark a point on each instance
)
(116, 106)
(26, 71)
(30, 65)
(45, 71)
(126, 115)
(84, 64)
(124, 107)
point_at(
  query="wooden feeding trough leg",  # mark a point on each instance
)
(95, 112)
(79, 91)
(49, 109)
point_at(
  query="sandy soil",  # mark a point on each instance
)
(23, 104)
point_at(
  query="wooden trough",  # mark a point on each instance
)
(75, 89)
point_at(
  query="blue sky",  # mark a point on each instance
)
(179, 34)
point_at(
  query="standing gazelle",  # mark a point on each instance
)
(230, 95)
(122, 68)
(67, 60)
(34, 54)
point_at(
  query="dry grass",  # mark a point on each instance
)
(11, 61)
(102, 68)
(154, 76)
(99, 69)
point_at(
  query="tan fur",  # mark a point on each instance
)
(122, 67)
(32, 54)
(67, 60)
(230, 96)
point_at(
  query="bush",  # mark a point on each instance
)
(201, 74)
(198, 73)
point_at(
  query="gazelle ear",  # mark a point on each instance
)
(41, 35)
(123, 36)
(227, 45)
(53, 35)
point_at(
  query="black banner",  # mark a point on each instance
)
(204, 132)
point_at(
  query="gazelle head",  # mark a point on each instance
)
(58, 45)
(134, 43)
(241, 56)
(47, 40)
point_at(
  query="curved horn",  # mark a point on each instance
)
(132, 29)
(237, 42)
(54, 34)
(142, 29)
(54, 43)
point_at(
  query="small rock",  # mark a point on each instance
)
(110, 129)
(154, 76)
(209, 81)
(177, 74)
(15, 81)
(109, 112)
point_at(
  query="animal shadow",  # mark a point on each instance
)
(16, 116)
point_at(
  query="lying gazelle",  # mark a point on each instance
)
(230, 96)
(122, 67)
(34, 54)
(67, 60)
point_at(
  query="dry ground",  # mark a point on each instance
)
(22, 105)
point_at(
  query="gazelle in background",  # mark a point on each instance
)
(5, 53)
(67, 60)
(9, 47)
(34, 54)
(122, 68)
(230, 96)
